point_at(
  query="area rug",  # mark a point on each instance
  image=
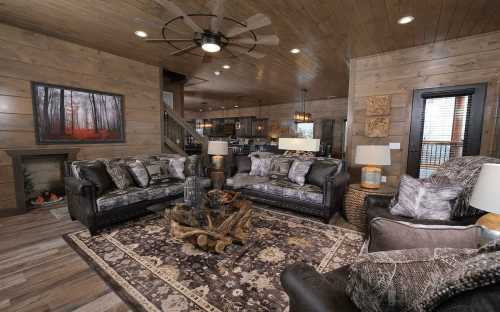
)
(154, 272)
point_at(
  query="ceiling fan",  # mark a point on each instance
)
(239, 39)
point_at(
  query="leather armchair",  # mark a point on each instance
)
(378, 206)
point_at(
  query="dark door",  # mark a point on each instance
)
(446, 122)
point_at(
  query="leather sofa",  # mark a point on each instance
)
(97, 211)
(311, 291)
(277, 190)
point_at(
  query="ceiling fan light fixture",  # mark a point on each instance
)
(217, 73)
(406, 19)
(210, 44)
(226, 66)
(140, 33)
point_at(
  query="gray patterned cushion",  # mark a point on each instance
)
(120, 198)
(157, 191)
(192, 166)
(308, 193)
(396, 280)
(260, 166)
(77, 164)
(176, 167)
(117, 170)
(280, 165)
(421, 199)
(240, 180)
(476, 272)
(299, 170)
(464, 170)
(139, 172)
(157, 170)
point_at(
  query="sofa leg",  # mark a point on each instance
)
(326, 220)
(93, 231)
(72, 218)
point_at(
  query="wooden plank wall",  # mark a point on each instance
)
(26, 56)
(335, 108)
(468, 60)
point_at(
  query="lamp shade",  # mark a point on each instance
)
(486, 194)
(377, 155)
(217, 148)
(298, 144)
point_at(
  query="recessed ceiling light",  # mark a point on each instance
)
(209, 108)
(201, 109)
(222, 107)
(235, 106)
(140, 33)
(226, 66)
(295, 51)
(405, 19)
(216, 73)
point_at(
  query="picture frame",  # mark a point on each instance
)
(85, 116)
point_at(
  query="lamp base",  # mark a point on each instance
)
(491, 221)
(218, 162)
(371, 177)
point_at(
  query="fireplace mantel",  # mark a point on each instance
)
(19, 155)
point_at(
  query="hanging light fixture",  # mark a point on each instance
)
(259, 119)
(301, 115)
(237, 124)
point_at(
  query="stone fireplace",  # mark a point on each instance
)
(44, 168)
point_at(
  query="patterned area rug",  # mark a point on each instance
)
(154, 272)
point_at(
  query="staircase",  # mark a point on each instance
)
(175, 131)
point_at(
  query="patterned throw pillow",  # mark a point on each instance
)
(117, 170)
(479, 271)
(396, 280)
(279, 167)
(299, 170)
(192, 166)
(176, 167)
(157, 170)
(421, 199)
(260, 166)
(139, 173)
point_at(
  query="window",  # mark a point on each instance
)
(305, 130)
(446, 123)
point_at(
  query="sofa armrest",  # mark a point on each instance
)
(334, 190)
(310, 291)
(81, 198)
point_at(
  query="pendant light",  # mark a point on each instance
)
(237, 124)
(259, 119)
(301, 115)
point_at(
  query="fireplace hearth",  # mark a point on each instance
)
(37, 174)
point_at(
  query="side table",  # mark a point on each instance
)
(218, 179)
(354, 211)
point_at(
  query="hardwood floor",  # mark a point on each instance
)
(40, 272)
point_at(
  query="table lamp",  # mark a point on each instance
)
(218, 149)
(298, 145)
(486, 196)
(372, 156)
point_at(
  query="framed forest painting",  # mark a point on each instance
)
(70, 115)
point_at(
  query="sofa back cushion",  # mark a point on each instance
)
(243, 164)
(139, 172)
(464, 170)
(320, 170)
(97, 174)
(260, 166)
(386, 234)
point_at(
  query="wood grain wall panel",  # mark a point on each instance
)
(27, 57)
(468, 60)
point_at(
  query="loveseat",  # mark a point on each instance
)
(103, 192)
(320, 194)
(419, 268)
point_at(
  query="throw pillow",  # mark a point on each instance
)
(97, 174)
(480, 271)
(395, 280)
(299, 170)
(386, 234)
(118, 172)
(157, 170)
(243, 164)
(280, 165)
(421, 199)
(176, 167)
(260, 166)
(139, 173)
(192, 166)
(320, 170)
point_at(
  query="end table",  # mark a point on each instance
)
(354, 210)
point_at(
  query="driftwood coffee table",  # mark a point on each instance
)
(222, 219)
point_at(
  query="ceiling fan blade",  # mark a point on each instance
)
(218, 11)
(257, 21)
(168, 39)
(174, 9)
(238, 50)
(207, 58)
(187, 49)
(264, 40)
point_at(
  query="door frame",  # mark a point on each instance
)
(474, 126)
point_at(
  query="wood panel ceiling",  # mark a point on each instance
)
(327, 31)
